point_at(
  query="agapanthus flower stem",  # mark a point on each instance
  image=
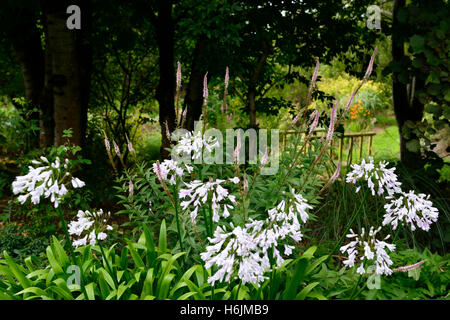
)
(397, 233)
(175, 198)
(113, 275)
(357, 284)
(207, 228)
(66, 232)
(72, 252)
(352, 220)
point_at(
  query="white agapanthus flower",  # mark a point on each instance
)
(48, 180)
(375, 176)
(236, 252)
(244, 252)
(192, 143)
(91, 225)
(199, 193)
(170, 169)
(365, 248)
(410, 208)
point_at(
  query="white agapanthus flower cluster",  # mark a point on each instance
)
(385, 178)
(198, 193)
(48, 180)
(366, 248)
(192, 143)
(410, 208)
(170, 169)
(91, 225)
(244, 252)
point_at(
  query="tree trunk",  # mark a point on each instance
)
(252, 106)
(47, 122)
(66, 76)
(25, 38)
(193, 100)
(406, 107)
(252, 91)
(166, 86)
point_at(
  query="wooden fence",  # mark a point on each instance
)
(348, 139)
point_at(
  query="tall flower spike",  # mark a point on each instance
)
(166, 124)
(349, 102)
(205, 101)
(410, 267)
(336, 173)
(205, 88)
(296, 118)
(370, 67)
(315, 122)
(332, 122)
(108, 152)
(178, 87)
(238, 147)
(130, 146)
(316, 72)
(227, 78)
(183, 117)
(117, 149)
(178, 76)
(130, 189)
(107, 145)
(264, 159)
